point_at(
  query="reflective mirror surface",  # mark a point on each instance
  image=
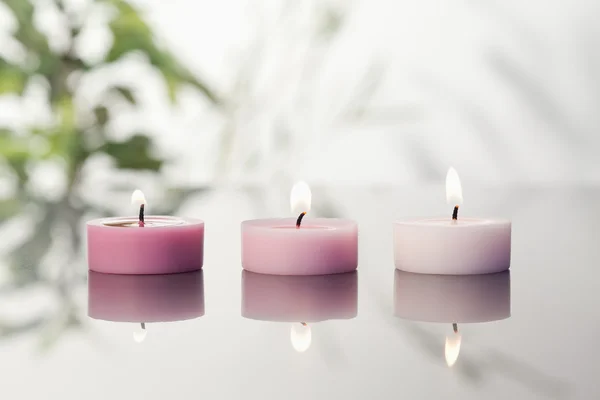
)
(378, 333)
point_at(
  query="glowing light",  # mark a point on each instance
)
(140, 335)
(453, 188)
(300, 198)
(138, 198)
(301, 337)
(452, 348)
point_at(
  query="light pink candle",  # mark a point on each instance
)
(288, 246)
(158, 245)
(150, 298)
(452, 245)
(299, 298)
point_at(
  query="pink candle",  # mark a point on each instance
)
(145, 244)
(452, 246)
(287, 246)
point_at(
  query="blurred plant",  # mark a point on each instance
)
(75, 134)
(269, 122)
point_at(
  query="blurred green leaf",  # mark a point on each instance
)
(27, 32)
(176, 75)
(330, 22)
(49, 64)
(126, 93)
(12, 78)
(22, 10)
(13, 147)
(101, 114)
(9, 208)
(65, 139)
(133, 154)
(172, 86)
(59, 143)
(15, 150)
(131, 33)
(66, 113)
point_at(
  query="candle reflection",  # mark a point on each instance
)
(452, 300)
(140, 335)
(452, 348)
(301, 300)
(301, 337)
(145, 299)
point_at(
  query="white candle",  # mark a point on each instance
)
(452, 245)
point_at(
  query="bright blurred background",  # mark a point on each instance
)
(187, 99)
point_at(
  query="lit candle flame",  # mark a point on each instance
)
(140, 335)
(137, 198)
(300, 198)
(452, 348)
(301, 337)
(453, 188)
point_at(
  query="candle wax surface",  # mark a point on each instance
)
(149, 222)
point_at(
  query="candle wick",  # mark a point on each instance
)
(455, 213)
(455, 327)
(299, 220)
(303, 323)
(141, 223)
(143, 325)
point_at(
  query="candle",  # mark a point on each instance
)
(145, 299)
(145, 244)
(300, 300)
(300, 246)
(452, 245)
(452, 300)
